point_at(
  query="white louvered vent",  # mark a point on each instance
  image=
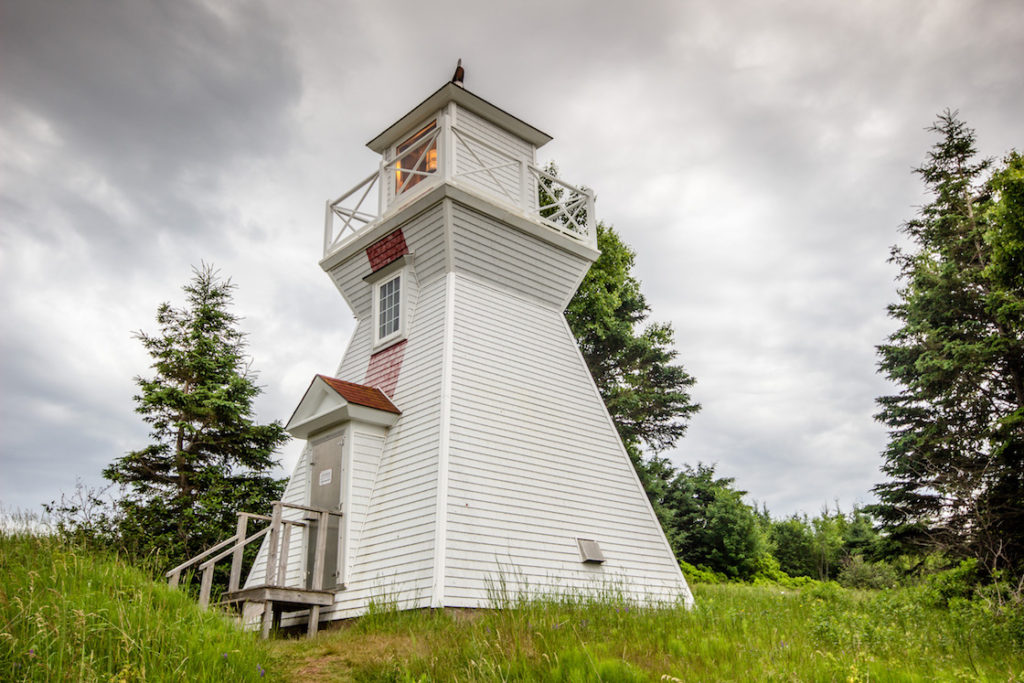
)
(590, 551)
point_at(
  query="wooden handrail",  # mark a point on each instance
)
(214, 560)
(176, 572)
(279, 542)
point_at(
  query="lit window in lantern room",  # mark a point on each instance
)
(416, 158)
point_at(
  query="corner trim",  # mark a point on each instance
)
(444, 446)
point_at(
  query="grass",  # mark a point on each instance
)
(736, 633)
(67, 614)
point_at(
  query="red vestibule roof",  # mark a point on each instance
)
(362, 395)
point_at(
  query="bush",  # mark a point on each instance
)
(958, 582)
(859, 573)
(701, 574)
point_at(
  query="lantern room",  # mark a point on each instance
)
(456, 137)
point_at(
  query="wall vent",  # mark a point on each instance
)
(590, 551)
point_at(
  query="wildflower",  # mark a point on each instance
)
(260, 669)
(32, 652)
(225, 655)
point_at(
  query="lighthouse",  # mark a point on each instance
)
(461, 441)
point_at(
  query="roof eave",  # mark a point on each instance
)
(450, 92)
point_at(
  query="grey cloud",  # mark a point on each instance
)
(757, 156)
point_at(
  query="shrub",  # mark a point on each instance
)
(958, 582)
(859, 573)
(701, 574)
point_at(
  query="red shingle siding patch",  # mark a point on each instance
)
(362, 395)
(386, 250)
(384, 368)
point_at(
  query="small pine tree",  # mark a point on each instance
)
(208, 458)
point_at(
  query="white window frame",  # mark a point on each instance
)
(397, 269)
(426, 175)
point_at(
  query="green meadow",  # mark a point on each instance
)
(67, 614)
(736, 632)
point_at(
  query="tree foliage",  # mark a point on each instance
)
(955, 457)
(207, 457)
(709, 525)
(634, 365)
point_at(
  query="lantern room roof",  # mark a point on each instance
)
(450, 92)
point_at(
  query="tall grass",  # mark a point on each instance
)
(68, 614)
(735, 633)
(76, 615)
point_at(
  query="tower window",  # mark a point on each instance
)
(416, 157)
(390, 287)
(389, 308)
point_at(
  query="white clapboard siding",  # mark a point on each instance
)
(348, 275)
(490, 159)
(395, 551)
(535, 463)
(367, 446)
(492, 134)
(424, 235)
(487, 170)
(356, 360)
(503, 257)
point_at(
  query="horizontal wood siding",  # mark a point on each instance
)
(511, 260)
(357, 356)
(536, 464)
(395, 551)
(368, 443)
(493, 135)
(494, 166)
(348, 275)
(425, 237)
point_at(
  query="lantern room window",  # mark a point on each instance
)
(416, 157)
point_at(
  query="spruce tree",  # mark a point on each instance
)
(633, 364)
(208, 457)
(955, 458)
(632, 361)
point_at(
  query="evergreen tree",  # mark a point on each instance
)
(634, 366)
(792, 545)
(208, 458)
(711, 526)
(955, 458)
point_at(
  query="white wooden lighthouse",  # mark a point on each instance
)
(462, 441)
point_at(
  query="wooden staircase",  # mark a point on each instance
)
(275, 595)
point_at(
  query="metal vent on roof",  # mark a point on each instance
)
(590, 551)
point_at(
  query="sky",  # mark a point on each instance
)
(756, 154)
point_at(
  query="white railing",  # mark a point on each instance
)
(476, 164)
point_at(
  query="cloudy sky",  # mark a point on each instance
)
(756, 154)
